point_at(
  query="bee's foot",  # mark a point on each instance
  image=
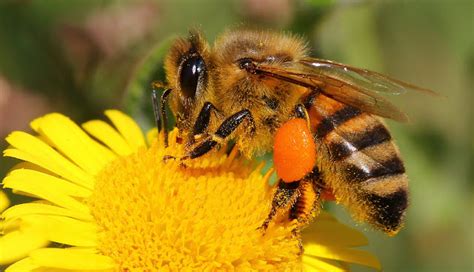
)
(184, 158)
(264, 227)
(168, 157)
(181, 163)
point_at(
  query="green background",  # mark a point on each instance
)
(81, 57)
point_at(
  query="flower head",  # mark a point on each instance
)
(106, 201)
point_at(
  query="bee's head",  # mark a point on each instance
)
(186, 68)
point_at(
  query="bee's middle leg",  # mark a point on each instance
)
(225, 129)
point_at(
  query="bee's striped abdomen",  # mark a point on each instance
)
(361, 162)
(377, 135)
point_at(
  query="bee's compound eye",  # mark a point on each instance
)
(191, 70)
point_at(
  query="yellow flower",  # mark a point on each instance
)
(4, 202)
(106, 201)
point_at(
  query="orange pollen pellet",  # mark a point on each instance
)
(294, 150)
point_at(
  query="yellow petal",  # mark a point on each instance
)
(25, 265)
(44, 191)
(73, 142)
(31, 166)
(129, 129)
(343, 254)
(64, 230)
(32, 149)
(46, 180)
(333, 233)
(4, 202)
(326, 216)
(17, 244)
(109, 136)
(318, 265)
(71, 259)
(151, 135)
(88, 250)
(24, 209)
(28, 265)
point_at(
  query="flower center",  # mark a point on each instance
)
(205, 216)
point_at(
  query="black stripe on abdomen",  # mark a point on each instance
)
(388, 211)
(348, 145)
(329, 123)
(391, 167)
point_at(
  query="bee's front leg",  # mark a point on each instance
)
(199, 128)
(160, 110)
(203, 120)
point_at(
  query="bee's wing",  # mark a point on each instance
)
(353, 86)
(368, 80)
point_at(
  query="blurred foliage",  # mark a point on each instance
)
(84, 56)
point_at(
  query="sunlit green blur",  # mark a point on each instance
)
(81, 57)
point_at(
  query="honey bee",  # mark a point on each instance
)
(321, 119)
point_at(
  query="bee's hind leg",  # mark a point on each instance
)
(284, 198)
